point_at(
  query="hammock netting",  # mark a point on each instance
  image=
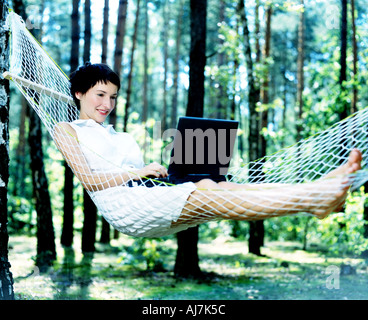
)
(276, 185)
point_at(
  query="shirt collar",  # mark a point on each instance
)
(93, 123)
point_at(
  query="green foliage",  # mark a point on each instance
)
(343, 232)
(144, 250)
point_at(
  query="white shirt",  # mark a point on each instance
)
(105, 149)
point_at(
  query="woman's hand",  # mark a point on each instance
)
(154, 169)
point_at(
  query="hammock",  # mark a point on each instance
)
(277, 185)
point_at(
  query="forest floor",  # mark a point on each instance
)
(284, 272)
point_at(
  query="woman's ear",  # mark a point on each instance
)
(78, 95)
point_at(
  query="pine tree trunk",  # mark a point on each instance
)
(46, 251)
(6, 277)
(87, 31)
(89, 224)
(105, 32)
(165, 57)
(187, 259)
(105, 228)
(256, 228)
(343, 45)
(197, 61)
(174, 103)
(67, 233)
(354, 100)
(119, 45)
(221, 107)
(300, 75)
(20, 168)
(257, 231)
(144, 115)
(145, 76)
(89, 208)
(187, 262)
(131, 64)
(68, 218)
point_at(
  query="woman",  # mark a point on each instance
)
(107, 162)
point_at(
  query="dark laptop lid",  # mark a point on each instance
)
(202, 146)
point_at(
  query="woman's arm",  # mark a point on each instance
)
(66, 140)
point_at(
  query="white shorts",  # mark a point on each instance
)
(141, 211)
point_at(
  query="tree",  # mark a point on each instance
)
(354, 100)
(6, 277)
(343, 106)
(165, 58)
(256, 228)
(300, 75)
(174, 102)
(119, 45)
(68, 218)
(105, 32)
(46, 250)
(90, 210)
(105, 228)
(197, 58)
(131, 64)
(145, 70)
(187, 260)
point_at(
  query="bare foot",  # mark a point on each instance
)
(351, 166)
(336, 185)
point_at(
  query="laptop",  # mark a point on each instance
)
(202, 148)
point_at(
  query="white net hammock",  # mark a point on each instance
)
(294, 180)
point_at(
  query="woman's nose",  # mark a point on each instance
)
(108, 103)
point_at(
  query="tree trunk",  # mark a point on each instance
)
(90, 210)
(68, 219)
(145, 76)
(89, 224)
(354, 100)
(197, 61)
(365, 213)
(257, 231)
(300, 76)
(221, 108)
(105, 228)
(87, 31)
(187, 262)
(165, 57)
(119, 46)
(256, 228)
(46, 251)
(20, 155)
(144, 115)
(343, 106)
(105, 32)
(174, 103)
(131, 64)
(6, 277)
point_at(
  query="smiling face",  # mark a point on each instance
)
(98, 102)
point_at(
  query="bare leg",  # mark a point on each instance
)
(226, 200)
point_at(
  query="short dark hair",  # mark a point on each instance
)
(88, 75)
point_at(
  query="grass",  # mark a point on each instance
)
(284, 272)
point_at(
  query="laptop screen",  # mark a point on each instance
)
(202, 146)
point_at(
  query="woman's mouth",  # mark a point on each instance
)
(103, 112)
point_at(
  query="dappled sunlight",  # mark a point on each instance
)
(284, 272)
